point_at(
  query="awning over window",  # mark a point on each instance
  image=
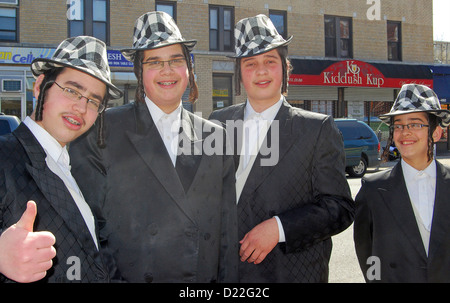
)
(355, 73)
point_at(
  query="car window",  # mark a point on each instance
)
(349, 131)
(365, 132)
(4, 127)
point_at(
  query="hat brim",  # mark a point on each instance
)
(443, 114)
(265, 50)
(41, 65)
(129, 53)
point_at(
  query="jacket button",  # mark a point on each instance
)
(148, 277)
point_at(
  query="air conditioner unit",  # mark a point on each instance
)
(11, 86)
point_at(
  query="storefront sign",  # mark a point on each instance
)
(353, 73)
(21, 55)
(116, 59)
(25, 55)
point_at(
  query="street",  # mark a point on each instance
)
(344, 267)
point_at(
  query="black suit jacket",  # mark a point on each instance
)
(385, 227)
(307, 189)
(24, 176)
(163, 224)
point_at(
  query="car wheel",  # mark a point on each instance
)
(359, 170)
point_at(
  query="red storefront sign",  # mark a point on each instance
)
(354, 73)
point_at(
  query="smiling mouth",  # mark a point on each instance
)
(167, 83)
(262, 82)
(72, 121)
(407, 142)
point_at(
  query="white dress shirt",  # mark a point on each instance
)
(168, 126)
(255, 129)
(421, 185)
(58, 162)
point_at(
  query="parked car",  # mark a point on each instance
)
(362, 148)
(8, 123)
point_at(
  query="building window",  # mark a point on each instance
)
(221, 23)
(394, 41)
(89, 17)
(279, 19)
(338, 37)
(168, 7)
(323, 106)
(8, 24)
(222, 91)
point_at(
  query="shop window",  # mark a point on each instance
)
(221, 26)
(168, 7)
(338, 37)
(323, 106)
(278, 19)
(222, 91)
(394, 41)
(8, 24)
(89, 17)
(297, 103)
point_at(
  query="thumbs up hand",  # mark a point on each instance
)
(25, 256)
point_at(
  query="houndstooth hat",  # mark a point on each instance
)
(154, 30)
(84, 53)
(417, 98)
(256, 35)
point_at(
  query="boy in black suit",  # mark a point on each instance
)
(72, 89)
(401, 225)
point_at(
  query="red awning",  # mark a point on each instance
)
(355, 73)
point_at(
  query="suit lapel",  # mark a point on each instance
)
(396, 198)
(150, 147)
(53, 188)
(441, 225)
(189, 151)
(238, 116)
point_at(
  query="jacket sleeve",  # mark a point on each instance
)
(332, 208)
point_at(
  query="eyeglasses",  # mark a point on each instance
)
(76, 96)
(159, 64)
(411, 126)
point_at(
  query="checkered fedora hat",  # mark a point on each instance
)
(256, 35)
(83, 53)
(154, 30)
(417, 98)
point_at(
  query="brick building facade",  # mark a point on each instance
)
(389, 40)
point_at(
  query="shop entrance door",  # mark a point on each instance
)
(11, 105)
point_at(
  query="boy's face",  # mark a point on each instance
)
(63, 118)
(165, 86)
(413, 143)
(262, 77)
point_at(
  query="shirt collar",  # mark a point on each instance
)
(52, 147)
(268, 114)
(157, 113)
(410, 172)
